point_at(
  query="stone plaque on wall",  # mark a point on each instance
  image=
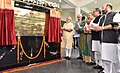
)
(28, 22)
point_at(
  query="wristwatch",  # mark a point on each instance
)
(103, 28)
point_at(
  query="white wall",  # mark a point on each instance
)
(68, 12)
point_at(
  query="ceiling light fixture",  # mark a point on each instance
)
(59, 0)
(95, 2)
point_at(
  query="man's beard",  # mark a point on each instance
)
(104, 12)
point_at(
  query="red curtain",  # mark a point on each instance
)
(7, 27)
(54, 30)
(47, 16)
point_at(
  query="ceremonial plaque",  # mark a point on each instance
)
(29, 22)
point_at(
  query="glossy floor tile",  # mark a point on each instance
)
(66, 66)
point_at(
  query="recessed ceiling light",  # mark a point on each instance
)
(59, 0)
(95, 2)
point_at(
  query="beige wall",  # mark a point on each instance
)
(68, 12)
(116, 8)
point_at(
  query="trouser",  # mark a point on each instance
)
(76, 44)
(110, 57)
(89, 41)
(109, 67)
(98, 59)
(118, 71)
(119, 58)
(96, 47)
(68, 52)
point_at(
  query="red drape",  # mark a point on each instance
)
(7, 27)
(54, 30)
(47, 16)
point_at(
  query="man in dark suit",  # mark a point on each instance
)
(108, 40)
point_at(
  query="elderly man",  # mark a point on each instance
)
(77, 35)
(68, 37)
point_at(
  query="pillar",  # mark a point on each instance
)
(77, 11)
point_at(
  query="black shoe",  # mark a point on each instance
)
(79, 58)
(69, 58)
(91, 63)
(66, 57)
(97, 67)
(101, 70)
(83, 61)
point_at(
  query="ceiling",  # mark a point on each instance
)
(99, 3)
(87, 5)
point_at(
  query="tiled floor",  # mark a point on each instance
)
(67, 66)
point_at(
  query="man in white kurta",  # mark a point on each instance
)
(96, 46)
(109, 40)
(117, 20)
(68, 37)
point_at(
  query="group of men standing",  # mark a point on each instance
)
(102, 27)
(108, 39)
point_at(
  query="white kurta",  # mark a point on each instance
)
(119, 54)
(116, 18)
(119, 57)
(67, 36)
(96, 46)
(110, 52)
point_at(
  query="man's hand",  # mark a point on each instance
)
(68, 30)
(98, 28)
(77, 28)
(62, 28)
(118, 27)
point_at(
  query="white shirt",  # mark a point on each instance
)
(116, 18)
(76, 34)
